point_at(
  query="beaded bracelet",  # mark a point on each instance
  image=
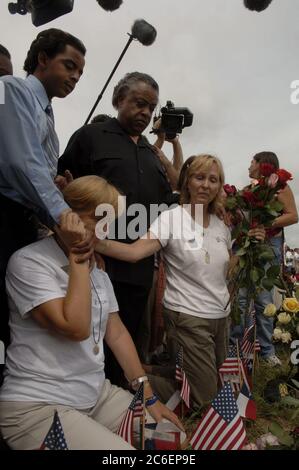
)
(151, 400)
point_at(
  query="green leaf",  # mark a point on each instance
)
(297, 293)
(254, 275)
(278, 283)
(247, 243)
(241, 251)
(276, 205)
(267, 255)
(295, 382)
(290, 401)
(273, 271)
(242, 262)
(268, 283)
(231, 202)
(283, 436)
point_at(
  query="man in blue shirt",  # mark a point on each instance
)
(29, 147)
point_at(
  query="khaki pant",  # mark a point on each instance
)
(24, 425)
(205, 344)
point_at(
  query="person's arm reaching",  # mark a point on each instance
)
(131, 253)
(178, 158)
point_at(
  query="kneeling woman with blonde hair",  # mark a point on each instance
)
(60, 313)
(196, 265)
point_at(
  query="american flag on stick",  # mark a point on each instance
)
(221, 428)
(54, 439)
(180, 376)
(134, 410)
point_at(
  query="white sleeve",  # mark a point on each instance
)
(113, 305)
(30, 282)
(161, 227)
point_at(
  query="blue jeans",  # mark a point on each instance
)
(264, 325)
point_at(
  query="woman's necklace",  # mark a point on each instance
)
(96, 337)
(207, 254)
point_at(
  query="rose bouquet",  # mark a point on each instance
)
(252, 207)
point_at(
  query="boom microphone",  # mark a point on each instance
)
(144, 32)
(257, 5)
(110, 5)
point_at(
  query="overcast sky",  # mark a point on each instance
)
(233, 68)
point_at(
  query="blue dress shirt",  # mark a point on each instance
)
(28, 153)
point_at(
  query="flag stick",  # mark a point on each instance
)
(142, 422)
(253, 361)
(182, 409)
(240, 373)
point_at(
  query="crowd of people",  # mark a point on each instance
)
(75, 302)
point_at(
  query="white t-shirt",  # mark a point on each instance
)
(195, 275)
(43, 366)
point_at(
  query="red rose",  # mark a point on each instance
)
(249, 197)
(266, 169)
(254, 223)
(283, 176)
(230, 190)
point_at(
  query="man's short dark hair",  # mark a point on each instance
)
(128, 81)
(51, 41)
(267, 157)
(101, 118)
(4, 51)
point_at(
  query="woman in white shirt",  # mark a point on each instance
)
(196, 247)
(60, 313)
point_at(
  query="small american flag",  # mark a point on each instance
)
(257, 346)
(221, 428)
(230, 371)
(180, 376)
(248, 344)
(55, 439)
(135, 409)
(231, 363)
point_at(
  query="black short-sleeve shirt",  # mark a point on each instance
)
(106, 150)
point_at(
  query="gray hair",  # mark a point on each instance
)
(128, 81)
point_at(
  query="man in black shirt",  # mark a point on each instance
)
(117, 151)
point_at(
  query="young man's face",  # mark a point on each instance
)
(5, 65)
(136, 108)
(61, 73)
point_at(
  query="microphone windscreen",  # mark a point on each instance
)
(144, 32)
(110, 5)
(257, 5)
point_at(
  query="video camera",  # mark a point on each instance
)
(42, 11)
(173, 120)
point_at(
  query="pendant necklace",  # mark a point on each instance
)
(207, 254)
(96, 337)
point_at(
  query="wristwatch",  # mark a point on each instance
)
(139, 380)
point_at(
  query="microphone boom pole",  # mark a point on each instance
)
(109, 78)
